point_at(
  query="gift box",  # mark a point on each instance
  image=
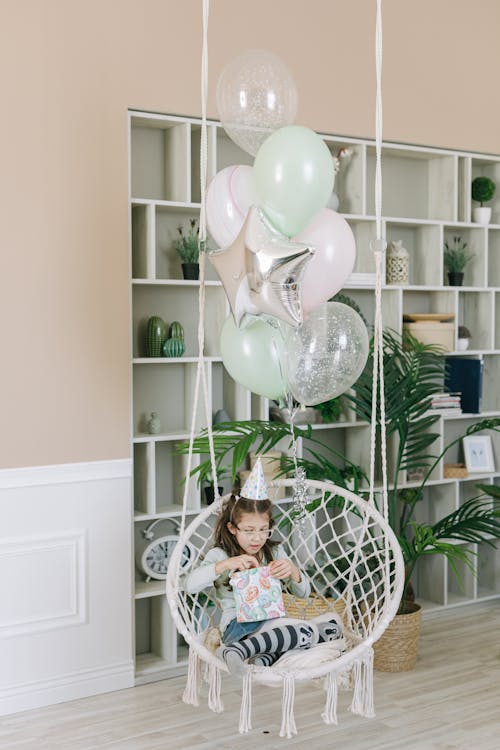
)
(257, 594)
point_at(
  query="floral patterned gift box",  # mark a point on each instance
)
(258, 595)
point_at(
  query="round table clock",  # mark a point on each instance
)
(153, 554)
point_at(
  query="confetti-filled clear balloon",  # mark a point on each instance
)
(326, 355)
(256, 95)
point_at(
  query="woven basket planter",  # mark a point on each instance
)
(306, 609)
(396, 650)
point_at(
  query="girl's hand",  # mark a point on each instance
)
(241, 562)
(284, 568)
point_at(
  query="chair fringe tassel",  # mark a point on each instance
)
(288, 727)
(246, 704)
(191, 694)
(362, 699)
(329, 715)
(215, 703)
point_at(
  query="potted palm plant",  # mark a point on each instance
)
(413, 373)
(456, 258)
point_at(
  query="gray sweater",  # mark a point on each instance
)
(204, 576)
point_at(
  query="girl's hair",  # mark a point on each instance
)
(232, 512)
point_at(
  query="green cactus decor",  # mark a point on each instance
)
(155, 336)
(174, 347)
(176, 330)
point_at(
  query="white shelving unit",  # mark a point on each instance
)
(426, 200)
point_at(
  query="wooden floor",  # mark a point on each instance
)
(450, 702)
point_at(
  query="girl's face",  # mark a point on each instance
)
(252, 531)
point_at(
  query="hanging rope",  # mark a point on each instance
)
(378, 246)
(201, 371)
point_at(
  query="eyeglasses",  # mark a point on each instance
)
(260, 533)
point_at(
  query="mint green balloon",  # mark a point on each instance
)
(293, 173)
(253, 356)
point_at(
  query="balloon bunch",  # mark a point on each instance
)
(282, 255)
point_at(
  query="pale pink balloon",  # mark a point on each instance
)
(332, 264)
(229, 196)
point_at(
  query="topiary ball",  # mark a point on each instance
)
(483, 189)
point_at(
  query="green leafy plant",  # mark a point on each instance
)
(330, 410)
(456, 256)
(413, 373)
(187, 244)
(463, 332)
(483, 189)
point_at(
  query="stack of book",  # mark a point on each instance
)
(446, 403)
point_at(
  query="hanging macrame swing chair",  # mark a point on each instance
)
(345, 545)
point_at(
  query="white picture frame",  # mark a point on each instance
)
(478, 454)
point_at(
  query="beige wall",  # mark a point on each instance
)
(69, 71)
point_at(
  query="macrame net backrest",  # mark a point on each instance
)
(341, 543)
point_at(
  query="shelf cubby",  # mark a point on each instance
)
(491, 390)
(429, 179)
(475, 272)
(422, 242)
(463, 588)
(484, 166)
(474, 308)
(166, 387)
(364, 231)
(228, 153)
(160, 160)
(228, 395)
(493, 258)
(488, 570)
(431, 581)
(158, 487)
(178, 305)
(349, 181)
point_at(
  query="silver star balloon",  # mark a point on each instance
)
(262, 271)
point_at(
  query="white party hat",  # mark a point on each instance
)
(255, 488)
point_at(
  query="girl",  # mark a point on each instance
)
(242, 539)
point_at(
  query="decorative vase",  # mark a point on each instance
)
(174, 348)
(397, 263)
(176, 330)
(481, 214)
(455, 278)
(396, 650)
(462, 345)
(221, 415)
(155, 336)
(191, 271)
(210, 493)
(154, 424)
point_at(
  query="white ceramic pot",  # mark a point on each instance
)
(482, 214)
(462, 345)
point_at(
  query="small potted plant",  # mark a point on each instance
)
(463, 338)
(456, 258)
(187, 245)
(209, 488)
(483, 189)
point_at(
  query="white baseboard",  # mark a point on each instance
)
(71, 686)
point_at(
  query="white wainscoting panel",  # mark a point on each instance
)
(52, 568)
(65, 583)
